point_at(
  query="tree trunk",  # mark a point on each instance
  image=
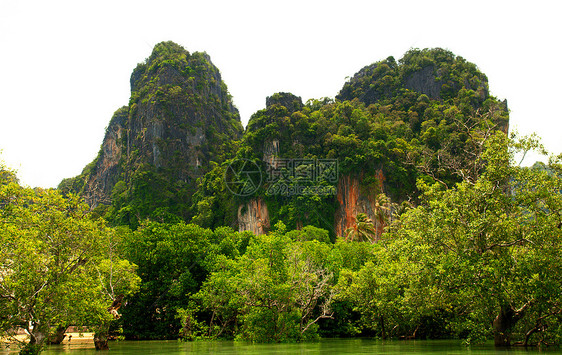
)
(101, 341)
(503, 324)
(36, 341)
(383, 329)
(59, 335)
(37, 336)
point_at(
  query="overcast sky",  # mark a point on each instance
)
(65, 65)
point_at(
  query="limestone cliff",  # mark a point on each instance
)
(393, 123)
(181, 114)
(107, 169)
(253, 216)
(180, 117)
(437, 73)
(354, 198)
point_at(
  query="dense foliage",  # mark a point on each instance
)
(392, 123)
(464, 243)
(174, 260)
(478, 260)
(487, 251)
(57, 265)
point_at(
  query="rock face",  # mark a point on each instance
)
(289, 101)
(181, 113)
(107, 170)
(425, 81)
(271, 152)
(352, 199)
(180, 117)
(254, 217)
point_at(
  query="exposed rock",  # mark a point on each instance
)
(254, 216)
(180, 118)
(106, 170)
(424, 81)
(348, 198)
(196, 138)
(353, 199)
(271, 153)
(291, 102)
(181, 104)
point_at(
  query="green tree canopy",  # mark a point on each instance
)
(490, 249)
(57, 266)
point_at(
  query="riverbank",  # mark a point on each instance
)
(71, 337)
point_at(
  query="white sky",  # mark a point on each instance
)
(65, 65)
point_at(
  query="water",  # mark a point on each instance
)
(328, 346)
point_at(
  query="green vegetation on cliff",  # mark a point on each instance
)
(391, 124)
(428, 229)
(475, 261)
(180, 118)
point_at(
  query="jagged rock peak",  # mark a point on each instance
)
(160, 52)
(180, 118)
(181, 114)
(289, 101)
(436, 73)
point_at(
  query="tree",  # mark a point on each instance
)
(308, 233)
(6, 174)
(459, 155)
(50, 249)
(362, 231)
(116, 279)
(382, 213)
(172, 262)
(277, 291)
(485, 246)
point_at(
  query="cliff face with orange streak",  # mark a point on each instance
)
(353, 199)
(254, 216)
